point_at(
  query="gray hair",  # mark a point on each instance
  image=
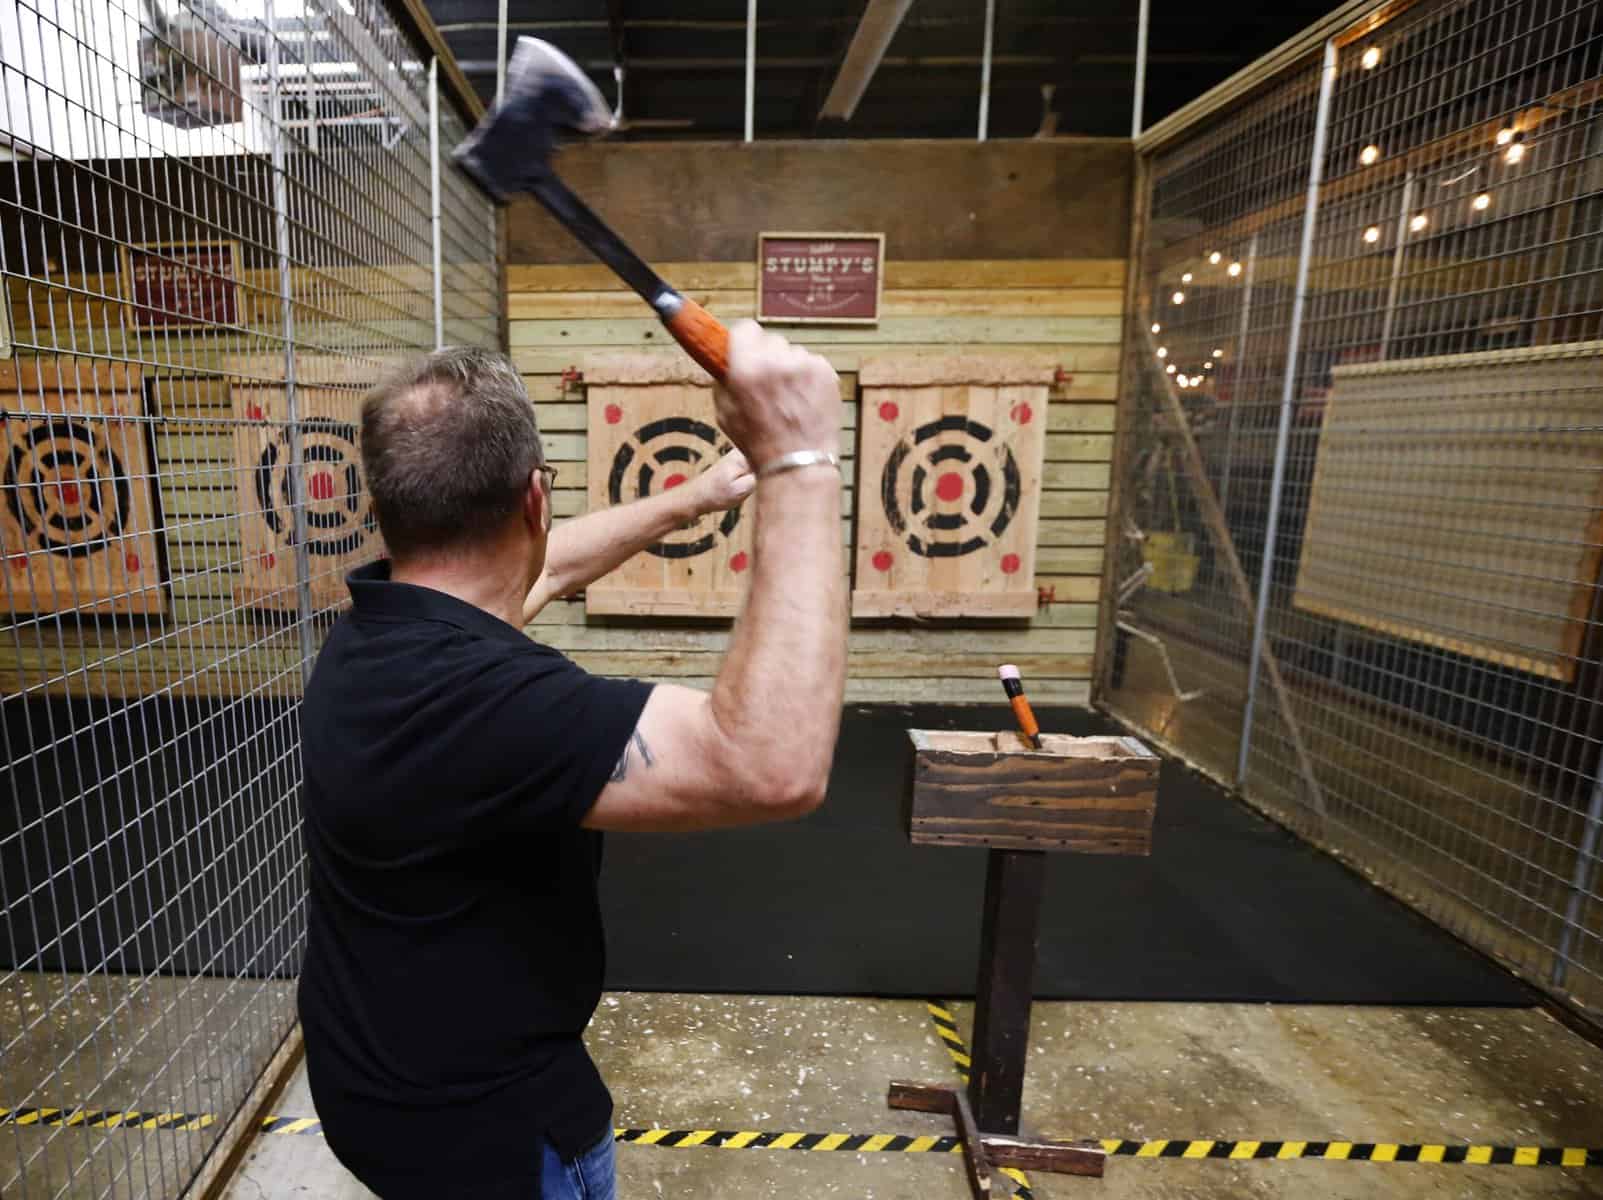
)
(448, 445)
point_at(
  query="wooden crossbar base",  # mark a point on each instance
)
(983, 1151)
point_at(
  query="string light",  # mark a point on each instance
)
(1369, 154)
(1169, 370)
(1163, 352)
(1178, 298)
(1418, 222)
(1156, 328)
(1207, 366)
(1516, 150)
(1186, 278)
(1214, 256)
(1218, 353)
(1505, 135)
(1233, 270)
(1183, 380)
(1371, 58)
(1481, 202)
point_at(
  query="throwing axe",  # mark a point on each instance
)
(510, 151)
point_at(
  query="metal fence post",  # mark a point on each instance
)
(1581, 883)
(1288, 392)
(286, 299)
(434, 197)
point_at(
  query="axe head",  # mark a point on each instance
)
(546, 98)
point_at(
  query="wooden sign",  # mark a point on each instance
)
(1457, 502)
(1094, 795)
(652, 428)
(182, 285)
(341, 530)
(820, 278)
(77, 518)
(948, 485)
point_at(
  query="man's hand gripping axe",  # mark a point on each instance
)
(510, 151)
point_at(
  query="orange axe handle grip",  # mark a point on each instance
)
(703, 336)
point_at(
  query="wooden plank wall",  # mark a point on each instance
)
(1067, 309)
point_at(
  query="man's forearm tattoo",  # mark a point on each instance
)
(635, 742)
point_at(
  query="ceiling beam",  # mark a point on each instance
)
(881, 20)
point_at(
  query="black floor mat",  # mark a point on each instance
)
(1228, 907)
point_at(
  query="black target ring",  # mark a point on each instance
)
(669, 447)
(66, 488)
(338, 520)
(950, 489)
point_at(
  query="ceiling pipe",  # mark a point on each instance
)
(881, 20)
(985, 69)
(751, 68)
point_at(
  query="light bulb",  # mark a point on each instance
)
(1156, 328)
(1372, 234)
(1178, 298)
(1482, 202)
(1371, 58)
(1233, 270)
(1214, 256)
(1163, 352)
(1183, 381)
(1186, 278)
(1207, 366)
(1218, 353)
(1505, 135)
(1169, 370)
(1418, 221)
(1515, 152)
(1369, 154)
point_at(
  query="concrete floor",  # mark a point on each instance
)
(1141, 1071)
(120, 1042)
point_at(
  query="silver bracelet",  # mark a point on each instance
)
(798, 458)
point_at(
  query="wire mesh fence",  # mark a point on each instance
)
(1361, 478)
(217, 227)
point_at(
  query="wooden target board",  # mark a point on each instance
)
(1457, 502)
(77, 515)
(341, 528)
(948, 486)
(651, 428)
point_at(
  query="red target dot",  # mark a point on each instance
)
(19, 562)
(883, 561)
(269, 559)
(949, 486)
(1010, 564)
(254, 412)
(131, 562)
(673, 481)
(889, 411)
(69, 493)
(321, 486)
(740, 562)
(612, 413)
(1022, 413)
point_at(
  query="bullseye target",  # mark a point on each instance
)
(950, 488)
(65, 488)
(652, 429)
(341, 529)
(664, 454)
(950, 465)
(76, 496)
(339, 519)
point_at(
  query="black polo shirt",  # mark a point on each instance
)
(454, 944)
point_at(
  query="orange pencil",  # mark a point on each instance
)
(1013, 685)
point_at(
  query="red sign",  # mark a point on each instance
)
(183, 285)
(820, 278)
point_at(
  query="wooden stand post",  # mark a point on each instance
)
(1092, 795)
(1013, 884)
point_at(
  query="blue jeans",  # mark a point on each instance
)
(591, 1176)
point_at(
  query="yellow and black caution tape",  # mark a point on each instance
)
(946, 1029)
(898, 1143)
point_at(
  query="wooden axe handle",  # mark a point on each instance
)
(703, 336)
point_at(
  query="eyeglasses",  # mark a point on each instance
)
(550, 474)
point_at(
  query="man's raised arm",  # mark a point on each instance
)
(758, 747)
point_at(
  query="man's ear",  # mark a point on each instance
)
(536, 507)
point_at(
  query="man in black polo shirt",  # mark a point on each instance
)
(458, 773)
